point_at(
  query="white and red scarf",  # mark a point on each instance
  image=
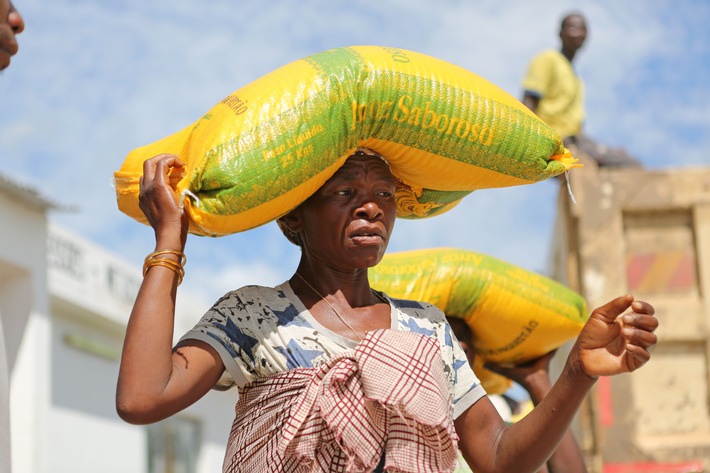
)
(388, 396)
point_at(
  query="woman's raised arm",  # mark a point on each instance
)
(154, 380)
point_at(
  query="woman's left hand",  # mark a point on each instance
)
(611, 343)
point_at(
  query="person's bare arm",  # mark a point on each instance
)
(534, 377)
(154, 381)
(609, 344)
(491, 447)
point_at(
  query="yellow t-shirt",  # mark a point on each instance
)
(552, 79)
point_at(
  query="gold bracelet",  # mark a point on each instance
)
(179, 254)
(166, 263)
(163, 262)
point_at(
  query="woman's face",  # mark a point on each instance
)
(347, 223)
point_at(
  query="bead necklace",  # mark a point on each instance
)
(340, 317)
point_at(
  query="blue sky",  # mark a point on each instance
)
(94, 80)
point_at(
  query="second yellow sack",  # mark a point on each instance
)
(515, 314)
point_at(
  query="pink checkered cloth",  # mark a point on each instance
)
(389, 395)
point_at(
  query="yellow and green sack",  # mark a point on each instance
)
(515, 315)
(268, 146)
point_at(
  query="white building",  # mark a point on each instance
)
(64, 304)
(23, 293)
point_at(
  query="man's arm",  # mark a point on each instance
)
(531, 101)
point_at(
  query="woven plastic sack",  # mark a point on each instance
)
(271, 144)
(515, 315)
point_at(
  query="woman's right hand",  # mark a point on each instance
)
(159, 200)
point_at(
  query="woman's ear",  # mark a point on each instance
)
(292, 220)
(290, 225)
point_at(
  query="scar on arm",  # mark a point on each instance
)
(181, 355)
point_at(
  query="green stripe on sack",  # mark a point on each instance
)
(330, 63)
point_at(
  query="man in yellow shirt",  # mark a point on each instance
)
(553, 90)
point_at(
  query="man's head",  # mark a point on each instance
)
(11, 24)
(573, 33)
